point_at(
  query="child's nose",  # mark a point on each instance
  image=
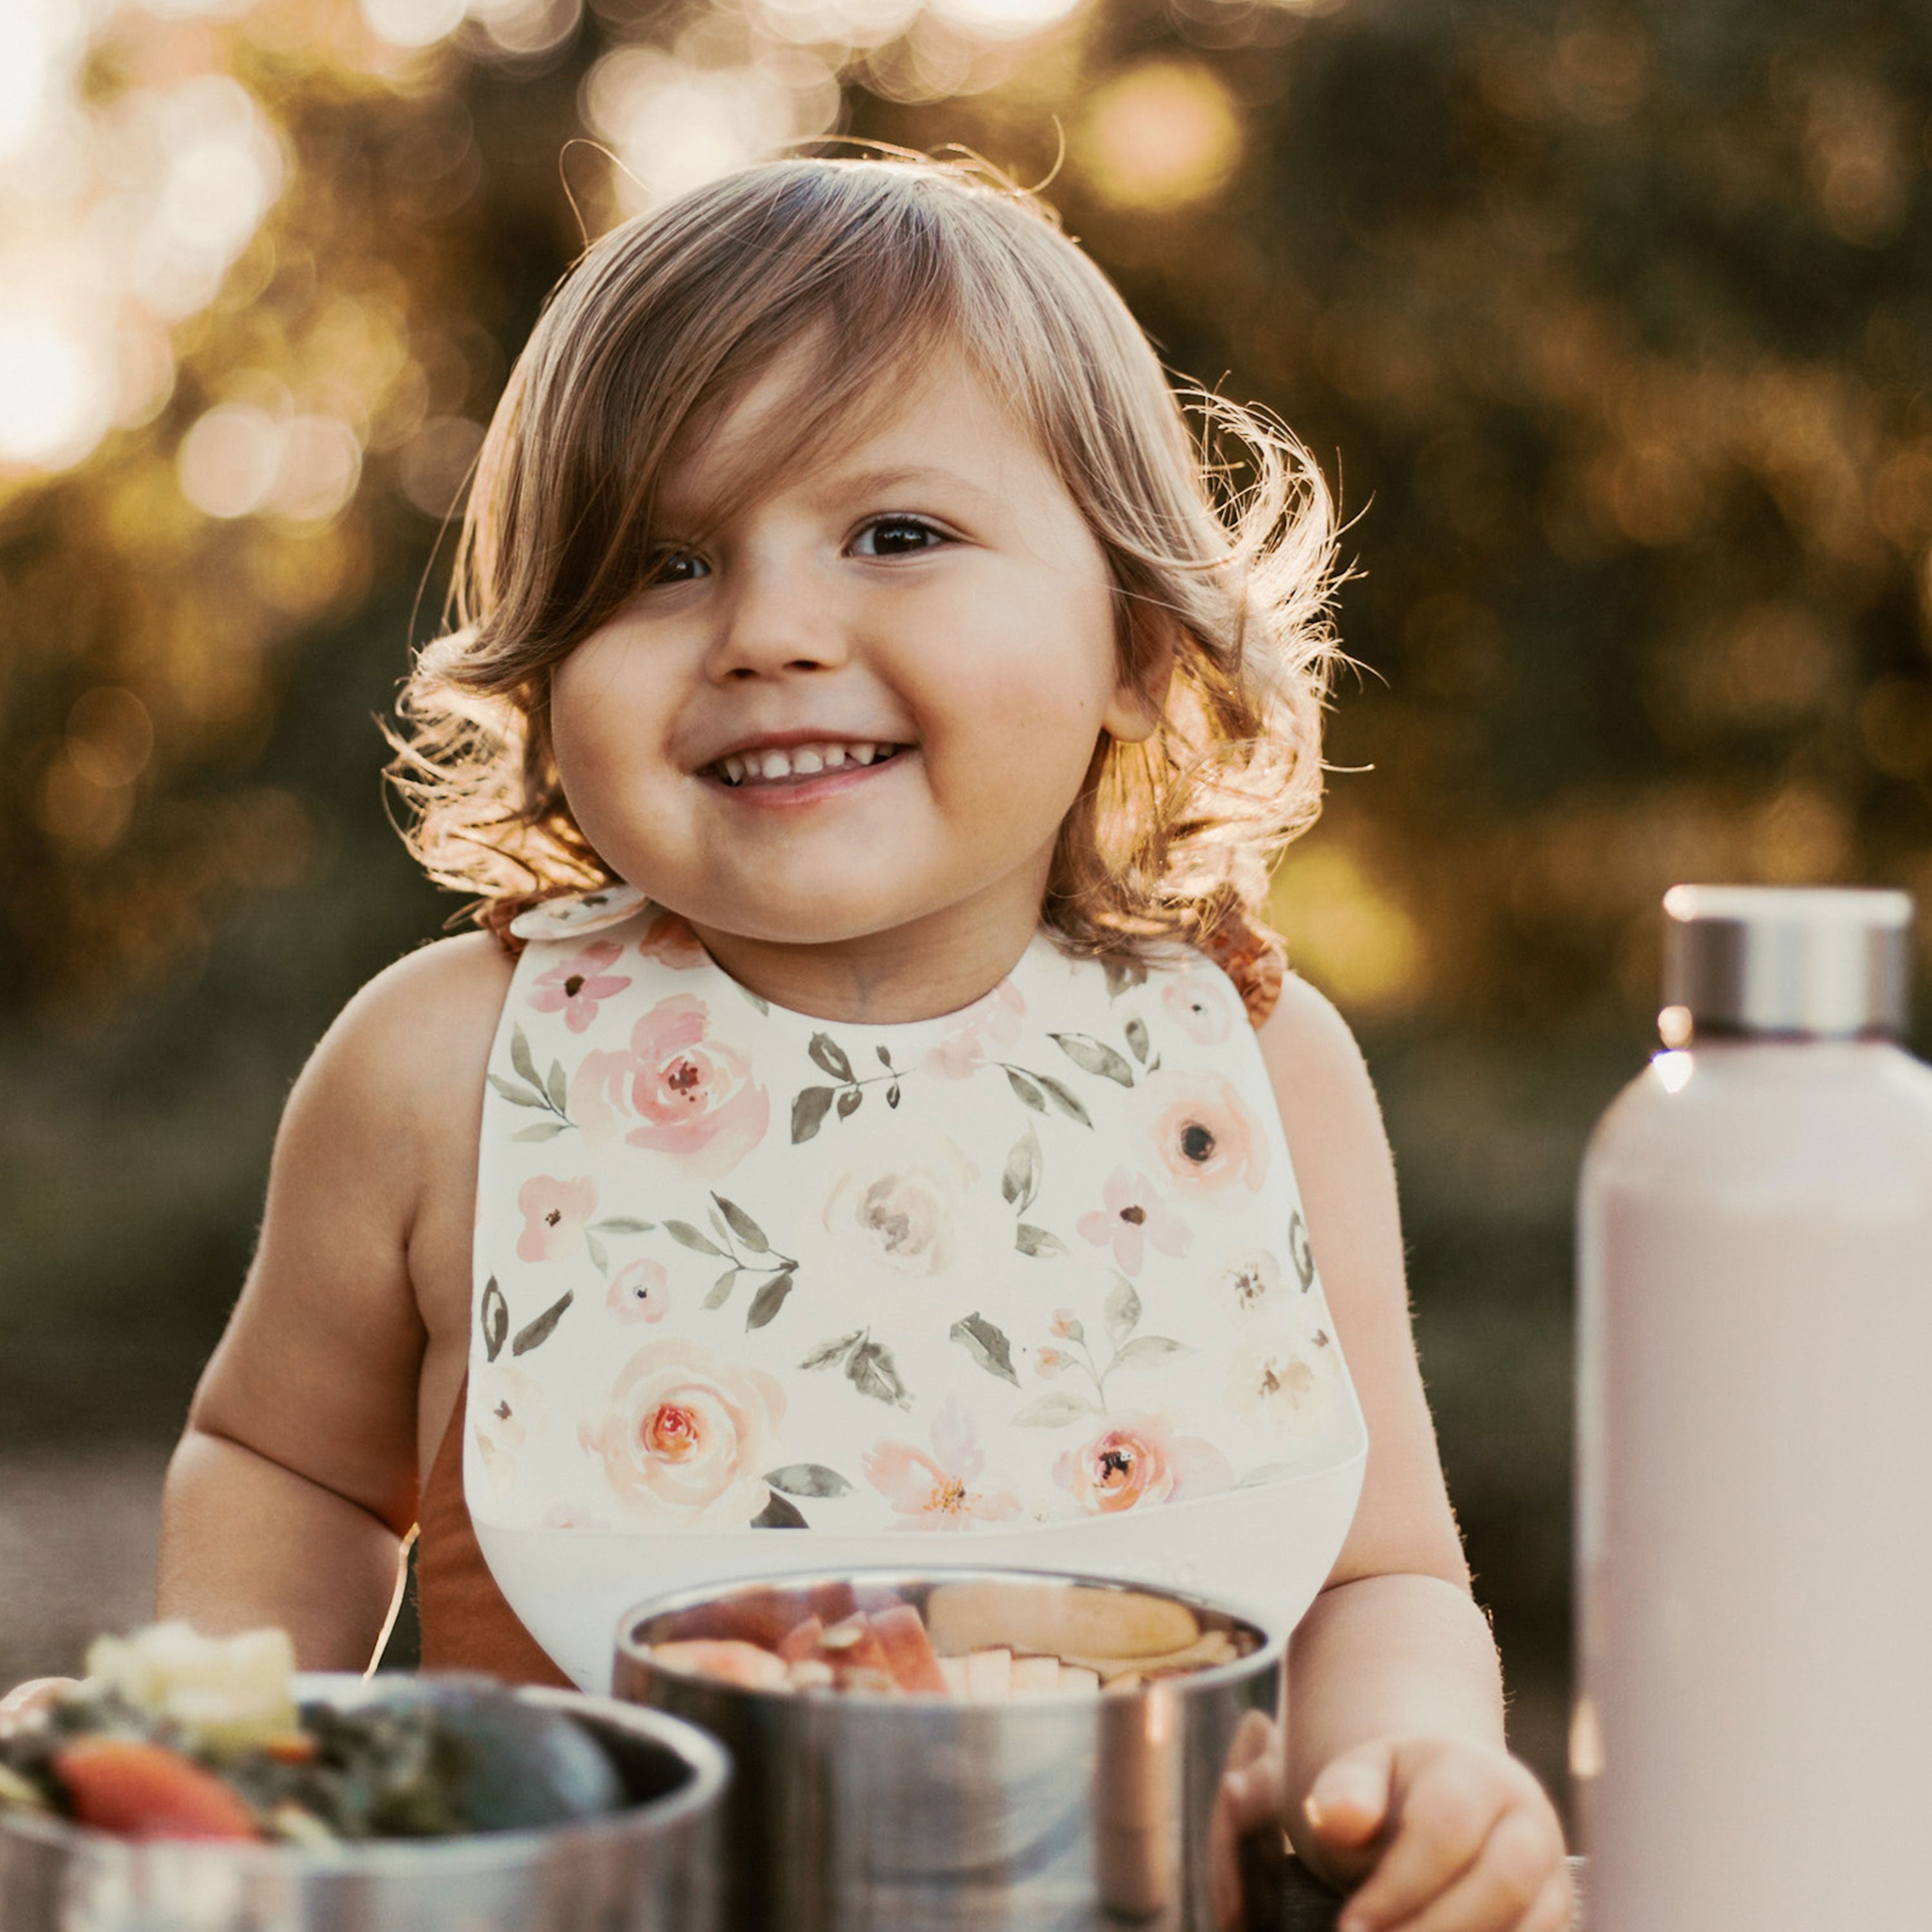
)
(777, 618)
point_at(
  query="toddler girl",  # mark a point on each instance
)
(866, 729)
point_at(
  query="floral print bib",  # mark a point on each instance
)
(1034, 1267)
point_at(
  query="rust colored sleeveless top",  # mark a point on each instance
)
(466, 1623)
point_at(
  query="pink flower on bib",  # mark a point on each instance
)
(677, 1092)
(573, 989)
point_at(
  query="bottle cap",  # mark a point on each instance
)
(1809, 962)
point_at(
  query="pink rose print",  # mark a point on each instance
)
(1134, 1215)
(671, 942)
(676, 1090)
(506, 1409)
(554, 1213)
(573, 989)
(1284, 1380)
(1199, 1007)
(1203, 1132)
(1139, 1462)
(685, 1436)
(977, 1033)
(640, 1292)
(936, 1492)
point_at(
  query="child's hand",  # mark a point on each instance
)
(1453, 1837)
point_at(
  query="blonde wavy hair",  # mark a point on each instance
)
(1220, 535)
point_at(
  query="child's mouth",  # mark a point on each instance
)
(798, 764)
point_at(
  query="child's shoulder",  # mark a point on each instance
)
(416, 1038)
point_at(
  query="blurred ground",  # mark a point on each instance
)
(77, 1537)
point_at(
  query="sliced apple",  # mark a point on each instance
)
(908, 1650)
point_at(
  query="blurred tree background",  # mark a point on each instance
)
(1612, 319)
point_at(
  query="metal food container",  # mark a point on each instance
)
(649, 1868)
(857, 1811)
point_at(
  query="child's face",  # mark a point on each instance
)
(930, 596)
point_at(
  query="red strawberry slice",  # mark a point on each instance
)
(908, 1650)
(143, 1791)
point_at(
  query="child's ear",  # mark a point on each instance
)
(1139, 702)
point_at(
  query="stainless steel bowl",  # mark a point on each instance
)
(651, 1868)
(858, 1812)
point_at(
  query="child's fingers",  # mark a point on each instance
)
(1497, 1892)
(1252, 1781)
(1348, 1804)
(1443, 1825)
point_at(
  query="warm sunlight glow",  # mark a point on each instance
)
(1161, 136)
(50, 401)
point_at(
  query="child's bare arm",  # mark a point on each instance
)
(296, 1479)
(1396, 1714)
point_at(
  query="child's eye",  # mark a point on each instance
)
(897, 536)
(675, 566)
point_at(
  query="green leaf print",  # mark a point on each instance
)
(885, 1058)
(522, 1059)
(808, 1110)
(1053, 1411)
(1094, 1056)
(557, 1087)
(1122, 1311)
(828, 1353)
(621, 1224)
(541, 1130)
(1147, 1348)
(849, 1098)
(1066, 1099)
(495, 1319)
(540, 1330)
(741, 1225)
(1021, 1181)
(809, 1479)
(1037, 1241)
(872, 1372)
(779, 1514)
(598, 1254)
(695, 1239)
(770, 1299)
(1137, 1039)
(720, 1290)
(828, 1055)
(1123, 976)
(517, 1096)
(1026, 1090)
(986, 1345)
(1300, 1252)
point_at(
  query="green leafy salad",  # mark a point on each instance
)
(174, 1735)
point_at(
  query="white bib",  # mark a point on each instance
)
(1027, 1284)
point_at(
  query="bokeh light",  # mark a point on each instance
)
(51, 400)
(1160, 136)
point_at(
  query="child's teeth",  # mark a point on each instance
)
(834, 756)
(862, 753)
(805, 759)
(734, 770)
(776, 765)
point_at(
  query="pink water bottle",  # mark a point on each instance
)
(1752, 1742)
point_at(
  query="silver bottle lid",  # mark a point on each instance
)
(1810, 962)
